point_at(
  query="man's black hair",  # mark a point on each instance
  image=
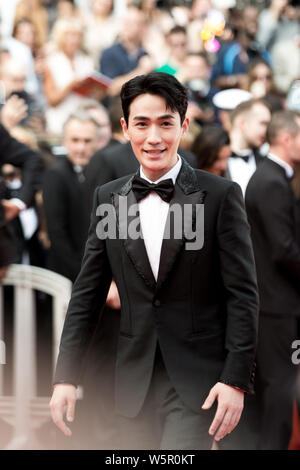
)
(156, 83)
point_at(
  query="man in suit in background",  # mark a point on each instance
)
(17, 154)
(66, 213)
(271, 213)
(188, 310)
(249, 121)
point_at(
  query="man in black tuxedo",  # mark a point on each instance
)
(249, 121)
(271, 213)
(17, 154)
(64, 197)
(188, 300)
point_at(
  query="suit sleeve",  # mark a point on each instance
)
(88, 298)
(30, 162)
(239, 279)
(98, 172)
(276, 219)
(55, 207)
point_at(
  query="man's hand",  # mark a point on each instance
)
(3, 272)
(113, 298)
(11, 210)
(277, 7)
(230, 407)
(13, 111)
(63, 402)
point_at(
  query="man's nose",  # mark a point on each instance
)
(154, 136)
(80, 147)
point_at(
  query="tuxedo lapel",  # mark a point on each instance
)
(135, 247)
(187, 194)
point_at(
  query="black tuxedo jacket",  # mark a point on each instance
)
(115, 161)
(66, 217)
(271, 213)
(19, 155)
(202, 310)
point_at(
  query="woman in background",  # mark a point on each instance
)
(212, 149)
(34, 11)
(102, 28)
(261, 84)
(66, 68)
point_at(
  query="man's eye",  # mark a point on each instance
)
(141, 124)
(166, 124)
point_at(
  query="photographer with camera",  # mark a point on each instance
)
(17, 154)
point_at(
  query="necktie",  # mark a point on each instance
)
(79, 170)
(243, 157)
(142, 188)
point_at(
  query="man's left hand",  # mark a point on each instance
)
(11, 210)
(229, 410)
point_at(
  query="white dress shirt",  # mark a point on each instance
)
(240, 170)
(153, 215)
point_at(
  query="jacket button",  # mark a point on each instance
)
(157, 303)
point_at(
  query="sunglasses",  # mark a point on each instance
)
(9, 175)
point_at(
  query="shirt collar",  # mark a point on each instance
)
(288, 169)
(173, 173)
(245, 152)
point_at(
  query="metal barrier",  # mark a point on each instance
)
(24, 410)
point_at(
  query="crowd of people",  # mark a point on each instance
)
(60, 138)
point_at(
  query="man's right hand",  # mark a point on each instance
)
(63, 402)
(13, 111)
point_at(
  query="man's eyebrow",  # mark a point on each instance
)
(145, 118)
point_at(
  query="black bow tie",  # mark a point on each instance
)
(243, 157)
(142, 188)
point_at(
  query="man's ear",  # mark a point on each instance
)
(185, 126)
(125, 129)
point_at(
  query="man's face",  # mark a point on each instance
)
(154, 133)
(250, 20)
(134, 25)
(104, 134)
(177, 43)
(295, 147)
(14, 81)
(254, 125)
(80, 140)
(196, 67)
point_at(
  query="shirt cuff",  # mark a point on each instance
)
(20, 204)
(63, 383)
(237, 388)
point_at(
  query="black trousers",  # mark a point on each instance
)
(165, 422)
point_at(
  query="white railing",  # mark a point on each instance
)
(24, 408)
